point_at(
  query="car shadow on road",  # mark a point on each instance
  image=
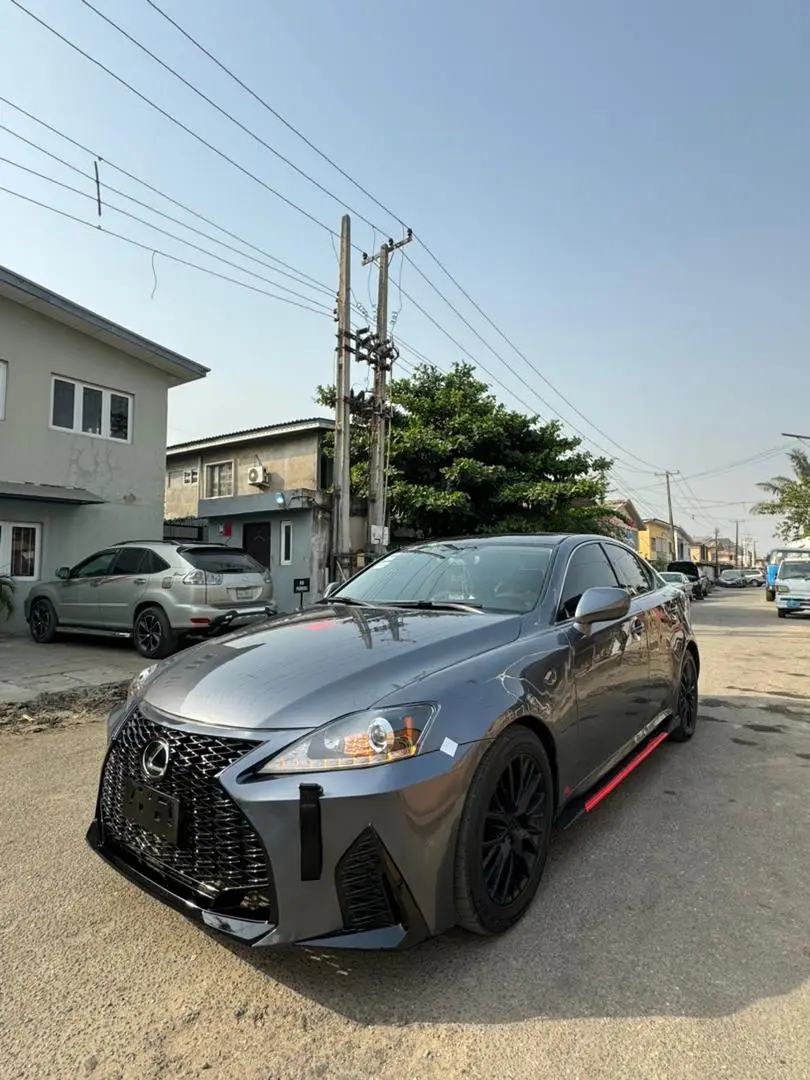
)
(682, 896)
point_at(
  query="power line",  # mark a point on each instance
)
(523, 357)
(179, 123)
(225, 113)
(164, 232)
(291, 127)
(223, 67)
(165, 254)
(295, 274)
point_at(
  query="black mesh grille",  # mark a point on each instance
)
(219, 854)
(366, 898)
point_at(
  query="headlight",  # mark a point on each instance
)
(783, 588)
(140, 681)
(356, 741)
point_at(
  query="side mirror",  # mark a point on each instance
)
(63, 572)
(331, 589)
(600, 605)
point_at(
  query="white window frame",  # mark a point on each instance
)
(216, 465)
(191, 476)
(288, 527)
(78, 401)
(6, 533)
(3, 387)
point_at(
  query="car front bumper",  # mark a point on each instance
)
(361, 859)
(795, 604)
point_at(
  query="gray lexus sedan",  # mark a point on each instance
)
(389, 763)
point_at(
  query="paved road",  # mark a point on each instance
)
(671, 937)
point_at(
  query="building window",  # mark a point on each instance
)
(286, 543)
(191, 476)
(219, 480)
(92, 410)
(3, 386)
(20, 550)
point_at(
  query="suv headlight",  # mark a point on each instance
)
(140, 682)
(357, 741)
(782, 588)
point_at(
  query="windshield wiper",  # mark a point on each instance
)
(343, 600)
(434, 605)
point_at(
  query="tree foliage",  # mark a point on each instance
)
(462, 463)
(790, 499)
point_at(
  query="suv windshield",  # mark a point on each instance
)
(797, 569)
(221, 560)
(505, 578)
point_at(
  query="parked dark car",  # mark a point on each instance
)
(389, 763)
(692, 571)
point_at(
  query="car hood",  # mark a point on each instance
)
(302, 670)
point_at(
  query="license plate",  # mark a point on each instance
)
(152, 810)
(244, 594)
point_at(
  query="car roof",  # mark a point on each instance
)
(527, 539)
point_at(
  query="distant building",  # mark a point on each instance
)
(627, 521)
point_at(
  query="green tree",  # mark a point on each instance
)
(461, 462)
(790, 499)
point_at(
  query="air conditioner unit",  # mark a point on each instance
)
(258, 476)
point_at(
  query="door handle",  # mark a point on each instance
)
(139, 581)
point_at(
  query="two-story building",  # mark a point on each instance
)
(655, 542)
(83, 406)
(267, 490)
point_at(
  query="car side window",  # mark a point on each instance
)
(152, 563)
(588, 569)
(130, 561)
(629, 570)
(98, 565)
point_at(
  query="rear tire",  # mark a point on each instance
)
(42, 621)
(504, 834)
(687, 707)
(152, 633)
(770, 594)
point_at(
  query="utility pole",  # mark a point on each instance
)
(342, 497)
(382, 356)
(736, 543)
(716, 553)
(791, 435)
(668, 474)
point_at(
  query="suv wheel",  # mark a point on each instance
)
(152, 634)
(42, 621)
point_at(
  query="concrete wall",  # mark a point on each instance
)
(293, 462)
(129, 476)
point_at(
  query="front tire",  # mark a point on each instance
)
(770, 594)
(504, 835)
(781, 613)
(42, 622)
(687, 707)
(152, 633)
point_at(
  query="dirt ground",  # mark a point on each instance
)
(670, 937)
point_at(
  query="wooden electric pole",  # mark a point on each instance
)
(382, 358)
(341, 483)
(716, 553)
(668, 474)
(736, 543)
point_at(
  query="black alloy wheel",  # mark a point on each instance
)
(687, 708)
(42, 622)
(152, 634)
(505, 833)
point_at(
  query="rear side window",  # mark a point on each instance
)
(589, 569)
(222, 560)
(130, 561)
(629, 571)
(152, 563)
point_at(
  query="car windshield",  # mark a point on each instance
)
(670, 576)
(218, 560)
(729, 575)
(795, 569)
(501, 577)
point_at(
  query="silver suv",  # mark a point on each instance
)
(156, 592)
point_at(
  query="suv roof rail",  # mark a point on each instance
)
(120, 543)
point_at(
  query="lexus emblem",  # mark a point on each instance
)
(155, 759)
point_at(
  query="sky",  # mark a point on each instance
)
(621, 188)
